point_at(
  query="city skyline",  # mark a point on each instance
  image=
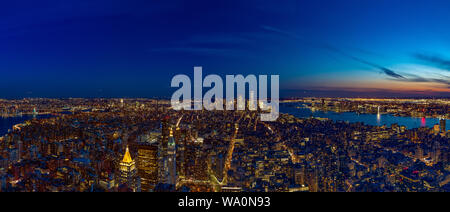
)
(204, 99)
(321, 48)
(143, 145)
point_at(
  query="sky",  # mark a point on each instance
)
(110, 48)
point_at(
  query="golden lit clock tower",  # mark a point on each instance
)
(127, 169)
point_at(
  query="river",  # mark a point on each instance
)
(369, 119)
(7, 123)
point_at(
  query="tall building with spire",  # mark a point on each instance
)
(128, 171)
(171, 160)
(163, 151)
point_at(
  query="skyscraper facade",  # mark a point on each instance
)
(127, 169)
(147, 165)
(171, 161)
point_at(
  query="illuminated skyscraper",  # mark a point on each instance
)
(147, 165)
(163, 150)
(165, 128)
(172, 168)
(128, 171)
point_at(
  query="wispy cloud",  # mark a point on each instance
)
(436, 60)
(334, 49)
(273, 29)
(199, 50)
(385, 70)
(230, 45)
(360, 92)
(416, 78)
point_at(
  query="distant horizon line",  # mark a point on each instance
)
(281, 99)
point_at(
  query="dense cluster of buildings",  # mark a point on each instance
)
(429, 108)
(143, 145)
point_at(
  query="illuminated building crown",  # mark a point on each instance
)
(171, 140)
(127, 157)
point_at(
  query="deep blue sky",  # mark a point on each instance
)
(108, 48)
